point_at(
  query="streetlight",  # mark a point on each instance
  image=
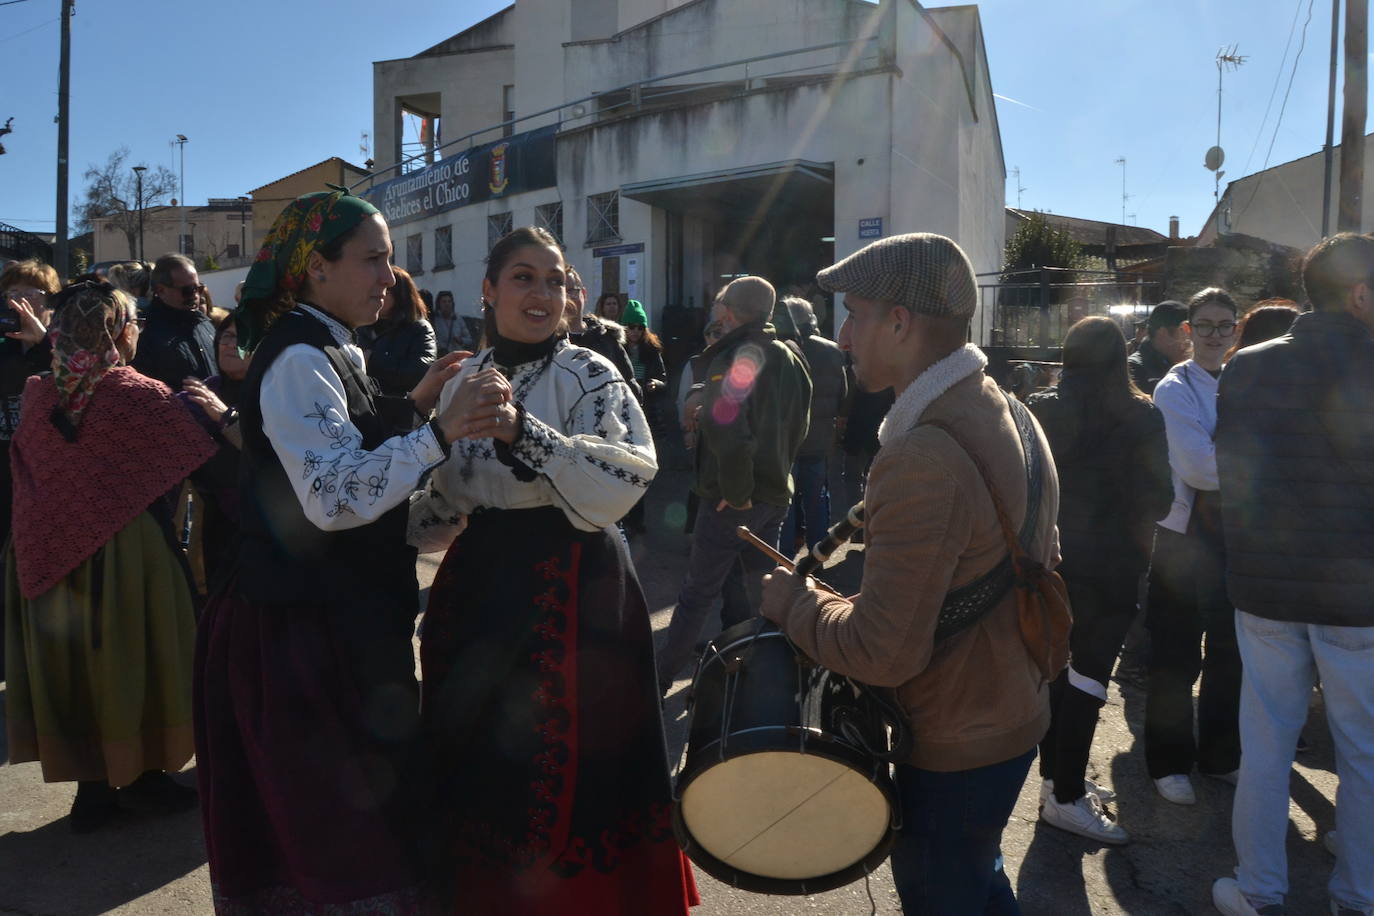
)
(138, 172)
(243, 226)
(181, 142)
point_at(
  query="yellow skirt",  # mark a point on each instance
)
(103, 693)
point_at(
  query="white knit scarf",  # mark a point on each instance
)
(925, 388)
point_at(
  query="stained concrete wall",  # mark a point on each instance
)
(901, 133)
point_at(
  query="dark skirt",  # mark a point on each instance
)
(542, 717)
(305, 733)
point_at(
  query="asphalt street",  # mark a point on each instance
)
(157, 866)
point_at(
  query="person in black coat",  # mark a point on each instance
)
(1165, 344)
(178, 338)
(401, 345)
(1112, 456)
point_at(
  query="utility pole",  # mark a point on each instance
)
(64, 79)
(181, 242)
(1121, 161)
(243, 226)
(1352, 125)
(1330, 117)
(138, 172)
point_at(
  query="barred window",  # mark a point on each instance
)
(443, 247)
(603, 217)
(550, 217)
(498, 226)
(415, 254)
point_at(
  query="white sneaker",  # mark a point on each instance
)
(1329, 841)
(1103, 793)
(1085, 818)
(1177, 788)
(1227, 898)
(1233, 777)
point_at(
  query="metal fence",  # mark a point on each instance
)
(1033, 309)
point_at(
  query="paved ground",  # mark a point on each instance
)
(157, 866)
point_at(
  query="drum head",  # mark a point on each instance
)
(784, 815)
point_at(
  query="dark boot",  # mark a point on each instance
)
(157, 793)
(95, 806)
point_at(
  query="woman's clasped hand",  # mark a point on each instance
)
(483, 407)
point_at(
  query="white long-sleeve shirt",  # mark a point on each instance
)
(340, 484)
(1187, 397)
(585, 438)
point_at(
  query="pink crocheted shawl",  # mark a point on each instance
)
(136, 443)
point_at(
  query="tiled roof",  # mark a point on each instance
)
(1094, 232)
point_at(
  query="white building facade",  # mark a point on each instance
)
(674, 145)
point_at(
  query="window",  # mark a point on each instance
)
(231, 251)
(415, 254)
(443, 247)
(508, 109)
(603, 217)
(498, 226)
(550, 217)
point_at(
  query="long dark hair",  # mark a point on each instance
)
(409, 307)
(1271, 318)
(1095, 349)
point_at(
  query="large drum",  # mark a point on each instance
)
(786, 787)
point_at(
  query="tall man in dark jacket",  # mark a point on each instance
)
(178, 340)
(1295, 456)
(753, 418)
(829, 387)
(1165, 345)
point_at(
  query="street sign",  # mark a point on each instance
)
(871, 228)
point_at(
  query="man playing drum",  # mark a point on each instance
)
(975, 700)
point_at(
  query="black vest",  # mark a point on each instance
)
(284, 558)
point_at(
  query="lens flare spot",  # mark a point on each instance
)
(724, 411)
(675, 515)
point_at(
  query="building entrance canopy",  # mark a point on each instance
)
(744, 194)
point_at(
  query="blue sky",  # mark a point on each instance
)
(265, 88)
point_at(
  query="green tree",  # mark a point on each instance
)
(1036, 243)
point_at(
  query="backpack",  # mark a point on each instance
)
(1042, 599)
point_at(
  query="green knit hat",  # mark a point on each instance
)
(634, 314)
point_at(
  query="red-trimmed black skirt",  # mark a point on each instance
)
(542, 719)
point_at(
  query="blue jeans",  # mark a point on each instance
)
(717, 552)
(1282, 663)
(810, 502)
(948, 857)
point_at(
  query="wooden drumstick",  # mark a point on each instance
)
(746, 535)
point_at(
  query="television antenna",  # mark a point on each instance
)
(1227, 59)
(1121, 161)
(1016, 173)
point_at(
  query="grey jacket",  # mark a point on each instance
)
(828, 393)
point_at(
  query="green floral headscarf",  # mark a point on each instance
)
(307, 223)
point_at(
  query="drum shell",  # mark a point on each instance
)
(755, 693)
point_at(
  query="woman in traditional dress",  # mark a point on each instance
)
(540, 705)
(307, 704)
(100, 624)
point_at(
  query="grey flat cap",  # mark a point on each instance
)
(923, 272)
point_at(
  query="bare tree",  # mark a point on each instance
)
(112, 193)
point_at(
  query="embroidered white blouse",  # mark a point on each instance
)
(339, 484)
(586, 448)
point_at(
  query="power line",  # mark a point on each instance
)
(1278, 75)
(13, 2)
(1297, 57)
(27, 31)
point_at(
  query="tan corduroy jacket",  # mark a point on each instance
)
(977, 699)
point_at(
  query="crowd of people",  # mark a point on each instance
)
(233, 572)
